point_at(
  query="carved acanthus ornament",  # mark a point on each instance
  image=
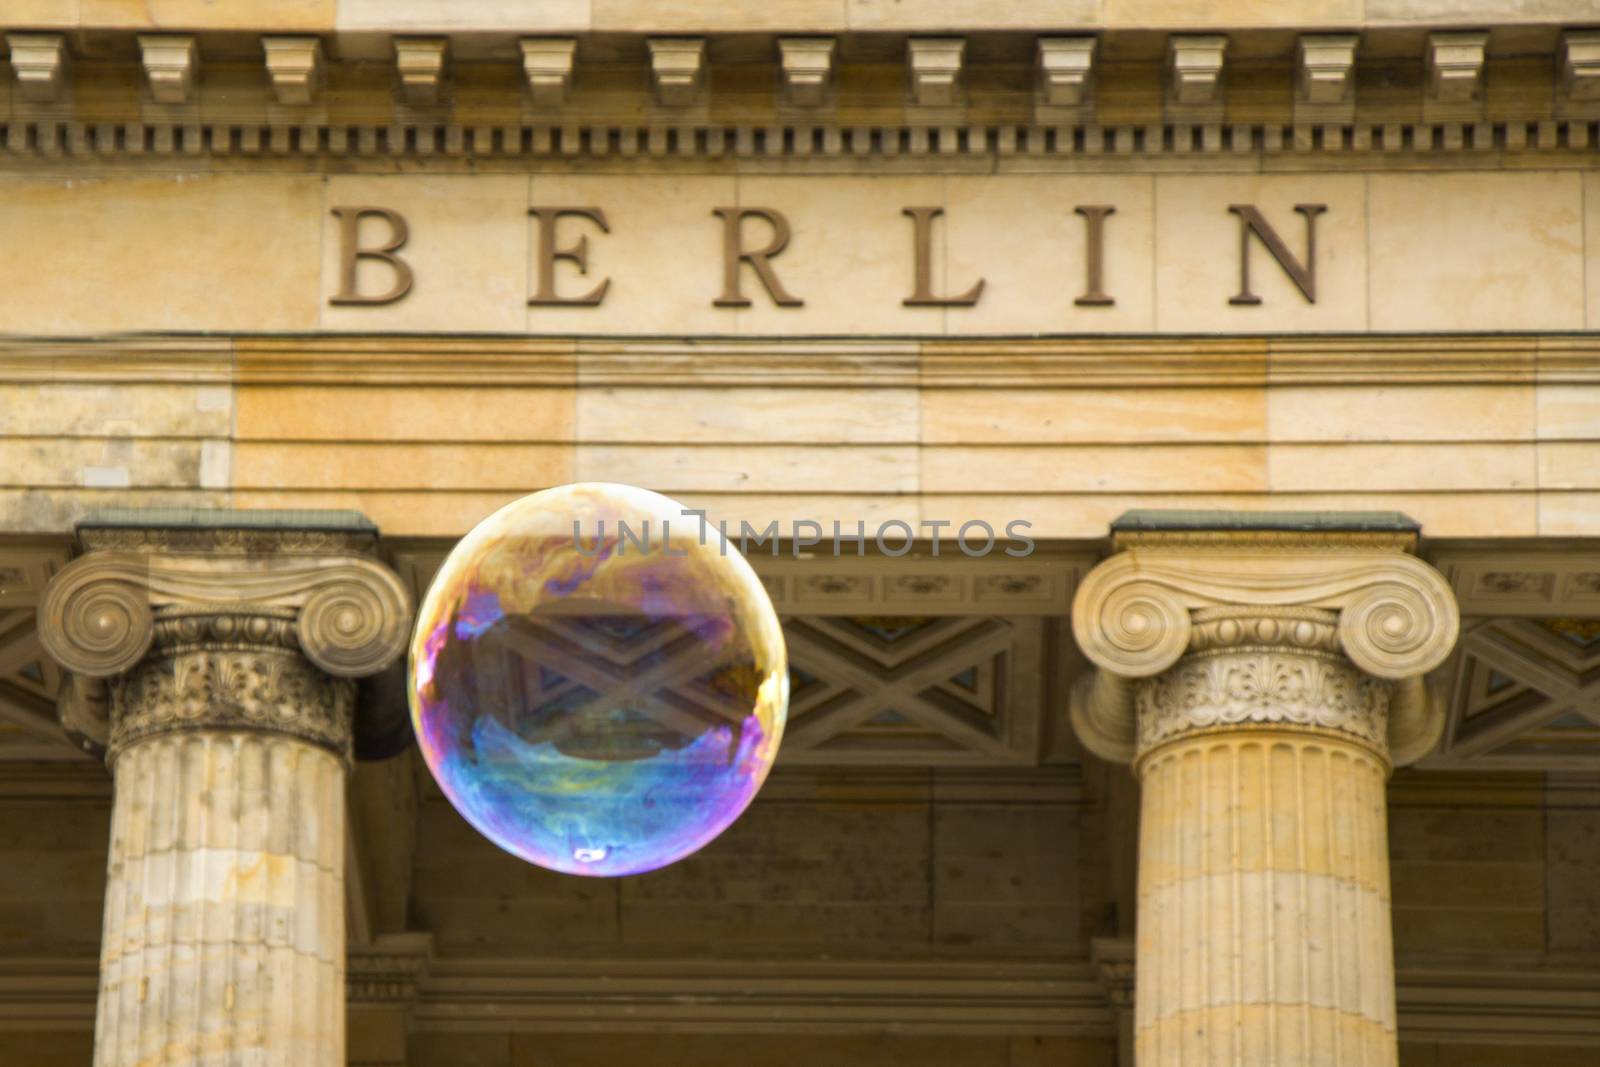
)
(1207, 630)
(1268, 666)
(256, 630)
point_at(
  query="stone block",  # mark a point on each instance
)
(1569, 514)
(368, 465)
(439, 16)
(736, 468)
(1476, 251)
(1183, 14)
(418, 413)
(1568, 412)
(43, 14)
(308, 15)
(184, 252)
(1453, 1055)
(1591, 248)
(748, 416)
(1061, 1052)
(1431, 929)
(48, 1048)
(1400, 413)
(55, 510)
(452, 1049)
(1415, 467)
(1093, 416)
(1460, 11)
(1569, 465)
(890, 15)
(117, 463)
(1005, 880)
(1469, 885)
(1445, 835)
(1095, 468)
(689, 16)
(1573, 840)
(123, 409)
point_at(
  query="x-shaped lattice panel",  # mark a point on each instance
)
(914, 690)
(1525, 695)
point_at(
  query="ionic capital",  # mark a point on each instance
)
(1201, 628)
(223, 628)
(1397, 615)
(98, 616)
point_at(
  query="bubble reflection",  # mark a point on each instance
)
(599, 704)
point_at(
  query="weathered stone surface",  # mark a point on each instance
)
(1573, 875)
(52, 885)
(33, 409)
(186, 251)
(1004, 884)
(316, 413)
(118, 463)
(47, 1048)
(1520, 267)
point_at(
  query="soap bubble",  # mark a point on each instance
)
(598, 681)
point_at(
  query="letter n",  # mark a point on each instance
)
(1302, 273)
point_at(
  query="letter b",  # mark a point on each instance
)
(351, 253)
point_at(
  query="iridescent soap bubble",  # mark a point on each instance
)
(598, 681)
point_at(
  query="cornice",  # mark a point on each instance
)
(707, 88)
(929, 363)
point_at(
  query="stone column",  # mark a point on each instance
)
(1263, 683)
(215, 667)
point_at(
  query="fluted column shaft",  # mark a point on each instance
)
(219, 681)
(1264, 904)
(224, 925)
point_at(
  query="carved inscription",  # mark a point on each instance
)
(753, 239)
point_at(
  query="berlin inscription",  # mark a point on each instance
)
(754, 238)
